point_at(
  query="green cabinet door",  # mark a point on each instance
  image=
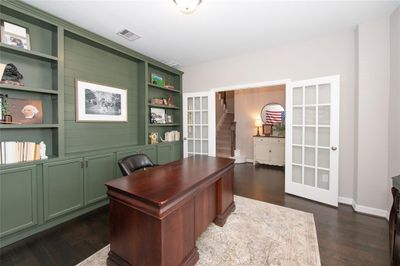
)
(151, 151)
(63, 187)
(99, 169)
(18, 199)
(177, 151)
(164, 153)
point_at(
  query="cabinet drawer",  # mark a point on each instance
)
(277, 140)
(260, 140)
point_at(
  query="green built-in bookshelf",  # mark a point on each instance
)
(82, 155)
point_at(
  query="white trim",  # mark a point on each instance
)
(369, 210)
(364, 209)
(251, 85)
(344, 200)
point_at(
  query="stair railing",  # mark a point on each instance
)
(233, 138)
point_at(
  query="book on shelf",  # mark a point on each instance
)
(17, 151)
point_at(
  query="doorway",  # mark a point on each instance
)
(311, 135)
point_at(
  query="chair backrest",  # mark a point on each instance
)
(133, 163)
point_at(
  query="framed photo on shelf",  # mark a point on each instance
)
(157, 116)
(170, 120)
(267, 129)
(14, 35)
(26, 111)
(157, 80)
(100, 103)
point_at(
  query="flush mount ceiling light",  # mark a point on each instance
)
(187, 6)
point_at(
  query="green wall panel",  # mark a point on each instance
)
(99, 169)
(85, 61)
(18, 199)
(63, 187)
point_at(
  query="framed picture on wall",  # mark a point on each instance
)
(15, 35)
(100, 103)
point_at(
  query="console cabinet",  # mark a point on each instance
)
(269, 150)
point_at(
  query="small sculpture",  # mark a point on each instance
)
(12, 75)
(42, 148)
(153, 137)
(170, 100)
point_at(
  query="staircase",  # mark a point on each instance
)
(224, 136)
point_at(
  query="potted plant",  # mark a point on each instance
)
(5, 110)
(280, 129)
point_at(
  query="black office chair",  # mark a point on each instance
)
(134, 163)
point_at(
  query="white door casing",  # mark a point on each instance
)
(198, 113)
(312, 139)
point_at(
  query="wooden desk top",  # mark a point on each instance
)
(161, 184)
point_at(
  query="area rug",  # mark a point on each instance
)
(256, 233)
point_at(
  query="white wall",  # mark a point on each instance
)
(372, 124)
(248, 105)
(394, 104)
(328, 55)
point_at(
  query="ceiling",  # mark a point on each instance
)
(218, 28)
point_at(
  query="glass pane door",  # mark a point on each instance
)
(312, 166)
(196, 120)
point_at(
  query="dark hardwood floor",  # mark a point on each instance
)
(344, 237)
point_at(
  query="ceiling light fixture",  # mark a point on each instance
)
(187, 6)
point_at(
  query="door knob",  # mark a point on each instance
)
(184, 138)
(334, 148)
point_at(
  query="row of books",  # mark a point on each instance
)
(16, 151)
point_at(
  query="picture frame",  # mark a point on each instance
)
(169, 119)
(157, 116)
(157, 80)
(100, 103)
(267, 129)
(25, 111)
(14, 35)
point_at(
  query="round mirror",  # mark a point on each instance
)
(273, 113)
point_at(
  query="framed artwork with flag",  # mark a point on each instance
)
(273, 114)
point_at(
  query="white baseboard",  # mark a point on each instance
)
(364, 209)
(344, 200)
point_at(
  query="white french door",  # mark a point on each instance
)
(312, 139)
(197, 116)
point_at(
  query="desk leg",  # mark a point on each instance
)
(225, 203)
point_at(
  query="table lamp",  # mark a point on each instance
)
(258, 124)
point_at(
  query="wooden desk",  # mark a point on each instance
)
(156, 215)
